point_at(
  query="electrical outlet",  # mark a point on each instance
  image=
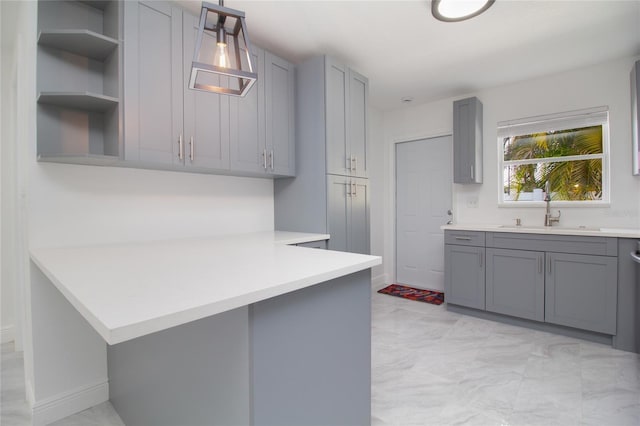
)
(472, 202)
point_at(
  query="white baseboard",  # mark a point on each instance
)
(7, 334)
(379, 281)
(63, 405)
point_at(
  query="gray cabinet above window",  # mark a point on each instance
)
(467, 141)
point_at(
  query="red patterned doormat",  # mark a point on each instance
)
(429, 296)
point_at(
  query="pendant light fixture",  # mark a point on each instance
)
(222, 61)
(458, 10)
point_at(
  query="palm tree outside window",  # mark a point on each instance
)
(569, 150)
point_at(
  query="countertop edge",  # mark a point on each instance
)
(117, 334)
(606, 232)
(133, 331)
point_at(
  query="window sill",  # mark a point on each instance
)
(555, 204)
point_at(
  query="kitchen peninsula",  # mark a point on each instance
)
(243, 329)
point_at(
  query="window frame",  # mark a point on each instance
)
(598, 116)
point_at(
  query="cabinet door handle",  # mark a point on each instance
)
(540, 262)
(191, 148)
(354, 161)
(472, 172)
(355, 189)
(549, 263)
(349, 163)
(264, 159)
(180, 148)
(271, 159)
(348, 185)
(463, 238)
(481, 258)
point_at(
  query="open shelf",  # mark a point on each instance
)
(80, 42)
(85, 101)
(79, 82)
(86, 159)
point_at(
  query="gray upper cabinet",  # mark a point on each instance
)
(171, 126)
(581, 291)
(467, 141)
(279, 76)
(515, 283)
(262, 123)
(79, 82)
(153, 84)
(206, 115)
(346, 120)
(247, 118)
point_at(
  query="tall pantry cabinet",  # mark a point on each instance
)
(330, 193)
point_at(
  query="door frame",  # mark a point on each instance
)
(393, 181)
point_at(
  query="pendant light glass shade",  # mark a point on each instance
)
(222, 62)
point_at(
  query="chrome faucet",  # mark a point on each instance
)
(549, 219)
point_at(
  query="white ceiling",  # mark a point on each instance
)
(406, 52)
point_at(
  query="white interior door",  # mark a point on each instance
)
(423, 200)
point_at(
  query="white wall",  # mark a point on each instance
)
(376, 182)
(86, 205)
(61, 204)
(7, 176)
(605, 84)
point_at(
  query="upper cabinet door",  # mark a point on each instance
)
(337, 89)
(358, 123)
(206, 115)
(280, 133)
(247, 121)
(153, 83)
(347, 120)
(467, 141)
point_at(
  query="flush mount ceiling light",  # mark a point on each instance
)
(458, 10)
(222, 62)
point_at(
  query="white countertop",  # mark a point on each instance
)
(132, 289)
(550, 230)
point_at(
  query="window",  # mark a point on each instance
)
(569, 151)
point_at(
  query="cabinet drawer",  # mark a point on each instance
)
(464, 238)
(602, 246)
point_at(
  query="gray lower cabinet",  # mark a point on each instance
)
(464, 276)
(581, 291)
(565, 280)
(515, 283)
(348, 214)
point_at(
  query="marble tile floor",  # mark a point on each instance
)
(434, 367)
